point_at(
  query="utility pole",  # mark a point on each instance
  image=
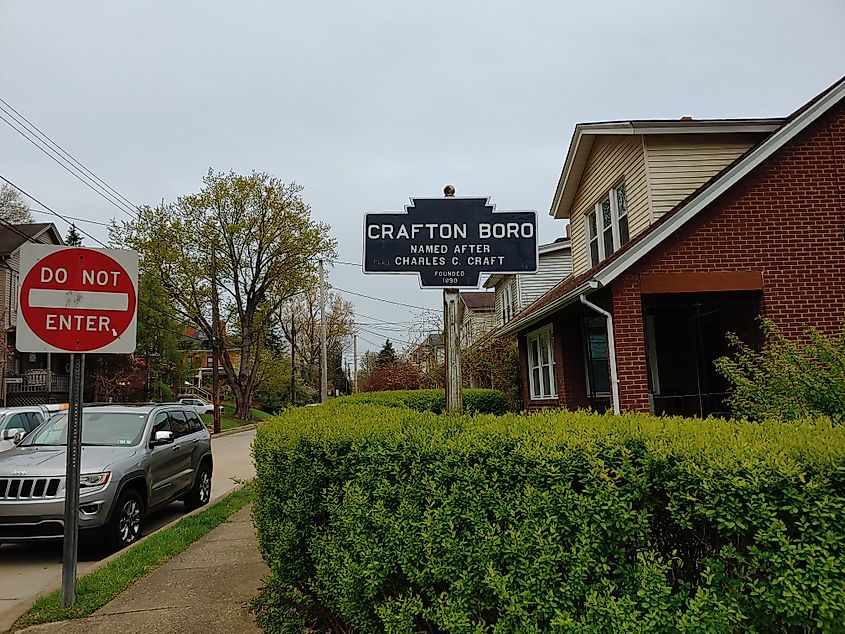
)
(215, 342)
(292, 359)
(324, 378)
(451, 297)
(355, 362)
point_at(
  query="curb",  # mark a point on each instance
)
(236, 430)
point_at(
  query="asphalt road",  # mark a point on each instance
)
(28, 571)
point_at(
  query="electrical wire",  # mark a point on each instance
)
(47, 138)
(381, 299)
(68, 167)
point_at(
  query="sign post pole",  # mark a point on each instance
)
(72, 474)
(451, 340)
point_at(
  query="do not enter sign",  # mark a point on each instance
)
(75, 299)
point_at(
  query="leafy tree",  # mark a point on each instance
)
(335, 371)
(302, 315)
(386, 356)
(13, 209)
(787, 379)
(242, 245)
(160, 342)
(73, 238)
(273, 381)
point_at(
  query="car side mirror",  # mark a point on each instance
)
(15, 434)
(162, 437)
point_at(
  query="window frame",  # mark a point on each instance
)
(536, 392)
(596, 212)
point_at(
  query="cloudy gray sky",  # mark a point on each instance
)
(368, 103)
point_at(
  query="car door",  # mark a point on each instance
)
(164, 463)
(183, 448)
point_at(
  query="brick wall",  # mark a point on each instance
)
(786, 219)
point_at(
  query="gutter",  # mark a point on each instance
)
(611, 346)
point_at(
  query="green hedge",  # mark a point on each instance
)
(480, 401)
(383, 519)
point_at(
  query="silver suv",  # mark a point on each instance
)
(135, 459)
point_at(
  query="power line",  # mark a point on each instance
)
(85, 220)
(55, 213)
(70, 170)
(381, 299)
(67, 154)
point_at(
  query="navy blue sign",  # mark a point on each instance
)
(450, 241)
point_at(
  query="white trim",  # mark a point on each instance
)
(538, 335)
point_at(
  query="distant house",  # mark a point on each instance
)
(477, 313)
(27, 378)
(199, 357)
(684, 231)
(515, 292)
(429, 354)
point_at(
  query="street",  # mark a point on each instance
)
(30, 570)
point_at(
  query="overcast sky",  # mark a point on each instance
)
(366, 104)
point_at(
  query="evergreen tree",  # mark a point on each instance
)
(386, 356)
(73, 239)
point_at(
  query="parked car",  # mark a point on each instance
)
(135, 459)
(200, 406)
(17, 422)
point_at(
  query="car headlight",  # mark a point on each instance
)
(89, 480)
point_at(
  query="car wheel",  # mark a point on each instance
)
(200, 493)
(127, 521)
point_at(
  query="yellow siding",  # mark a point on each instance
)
(613, 159)
(680, 164)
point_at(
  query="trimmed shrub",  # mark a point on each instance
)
(476, 400)
(385, 519)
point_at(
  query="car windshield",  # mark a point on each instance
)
(98, 428)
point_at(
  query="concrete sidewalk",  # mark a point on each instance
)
(204, 590)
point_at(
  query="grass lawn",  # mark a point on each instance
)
(228, 419)
(93, 591)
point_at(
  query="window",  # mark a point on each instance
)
(541, 364)
(597, 357)
(607, 225)
(209, 362)
(509, 307)
(194, 422)
(179, 424)
(162, 423)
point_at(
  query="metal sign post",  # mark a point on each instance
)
(72, 474)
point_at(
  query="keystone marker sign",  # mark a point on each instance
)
(449, 242)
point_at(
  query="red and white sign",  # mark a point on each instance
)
(74, 299)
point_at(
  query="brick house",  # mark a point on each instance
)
(682, 232)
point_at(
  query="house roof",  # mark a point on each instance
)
(11, 240)
(585, 134)
(561, 244)
(609, 269)
(479, 300)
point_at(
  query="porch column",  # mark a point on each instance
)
(628, 329)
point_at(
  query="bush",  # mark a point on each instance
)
(787, 379)
(384, 519)
(476, 400)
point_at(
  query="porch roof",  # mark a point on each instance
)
(609, 269)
